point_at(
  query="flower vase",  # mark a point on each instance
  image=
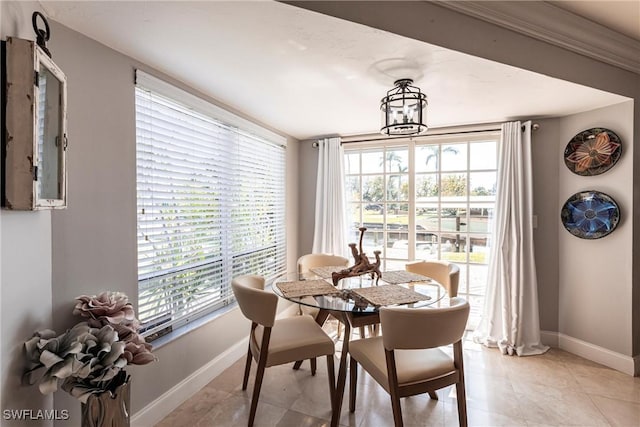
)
(109, 408)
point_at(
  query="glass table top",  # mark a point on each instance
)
(348, 301)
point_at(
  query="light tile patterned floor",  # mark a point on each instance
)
(555, 389)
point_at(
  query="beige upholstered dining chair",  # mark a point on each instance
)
(309, 261)
(305, 264)
(406, 359)
(276, 342)
(446, 273)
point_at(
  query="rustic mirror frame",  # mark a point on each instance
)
(35, 128)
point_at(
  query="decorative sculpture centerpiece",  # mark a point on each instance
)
(361, 264)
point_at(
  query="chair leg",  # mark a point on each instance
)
(247, 368)
(462, 403)
(397, 409)
(313, 366)
(353, 380)
(393, 387)
(256, 390)
(433, 395)
(332, 378)
(262, 363)
(361, 329)
(460, 388)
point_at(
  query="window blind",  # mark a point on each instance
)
(210, 201)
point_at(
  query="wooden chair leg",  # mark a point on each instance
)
(313, 366)
(361, 329)
(397, 409)
(332, 378)
(353, 380)
(256, 390)
(262, 363)
(433, 395)
(462, 403)
(393, 387)
(460, 388)
(247, 368)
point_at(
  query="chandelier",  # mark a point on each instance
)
(404, 110)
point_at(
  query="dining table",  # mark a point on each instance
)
(355, 302)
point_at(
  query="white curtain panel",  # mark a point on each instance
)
(510, 319)
(330, 232)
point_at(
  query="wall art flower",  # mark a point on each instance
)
(592, 151)
(590, 214)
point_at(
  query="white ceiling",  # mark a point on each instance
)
(307, 74)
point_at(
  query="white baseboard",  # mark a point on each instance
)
(154, 412)
(606, 357)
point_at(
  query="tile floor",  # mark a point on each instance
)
(555, 389)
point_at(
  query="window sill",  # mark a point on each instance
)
(191, 326)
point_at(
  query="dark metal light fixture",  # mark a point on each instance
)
(404, 110)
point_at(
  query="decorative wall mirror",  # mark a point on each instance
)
(35, 126)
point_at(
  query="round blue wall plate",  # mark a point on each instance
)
(590, 214)
(592, 151)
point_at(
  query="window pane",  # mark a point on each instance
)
(480, 217)
(372, 162)
(398, 187)
(353, 188)
(454, 186)
(482, 155)
(354, 215)
(352, 163)
(397, 161)
(453, 217)
(454, 157)
(427, 218)
(427, 188)
(397, 245)
(479, 249)
(482, 186)
(454, 248)
(427, 158)
(373, 188)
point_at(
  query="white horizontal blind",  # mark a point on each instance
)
(211, 206)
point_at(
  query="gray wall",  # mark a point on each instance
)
(25, 269)
(544, 156)
(595, 281)
(308, 161)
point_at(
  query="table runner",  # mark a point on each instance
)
(303, 288)
(389, 295)
(402, 276)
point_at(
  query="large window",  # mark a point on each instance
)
(426, 198)
(211, 204)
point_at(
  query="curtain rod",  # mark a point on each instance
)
(534, 126)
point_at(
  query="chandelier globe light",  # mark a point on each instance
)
(404, 110)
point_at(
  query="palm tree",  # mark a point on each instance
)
(435, 153)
